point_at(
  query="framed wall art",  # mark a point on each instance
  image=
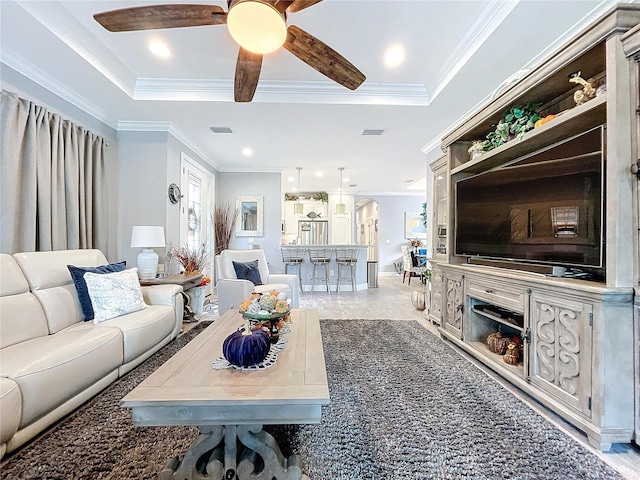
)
(250, 216)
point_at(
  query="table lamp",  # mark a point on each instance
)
(147, 237)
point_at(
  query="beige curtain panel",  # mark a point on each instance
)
(53, 181)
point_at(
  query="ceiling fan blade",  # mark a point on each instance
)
(323, 58)
(280, 5)
(161, 16)
(298, 5)
(247, 75)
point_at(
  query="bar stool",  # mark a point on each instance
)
(346, 258)
(293, 257)
(320, 258)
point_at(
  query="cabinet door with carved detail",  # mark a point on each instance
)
(453, 303)
(560, 350)
(435, 305)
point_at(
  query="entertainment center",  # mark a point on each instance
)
(537, 238)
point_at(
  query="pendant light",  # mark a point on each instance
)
(298, 208)
(341, 208)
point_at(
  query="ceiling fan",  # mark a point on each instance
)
(259, 27)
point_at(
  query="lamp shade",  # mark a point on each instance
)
(147, 236)
(341, 208)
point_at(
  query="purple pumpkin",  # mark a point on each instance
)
(246, 347)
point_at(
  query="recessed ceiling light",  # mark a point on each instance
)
(394, 56)
(291, 179)
(345, 180)
(319, 174)
(247, 152)
(159, 48)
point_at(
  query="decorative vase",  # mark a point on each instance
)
(196, 299)
(417, 299)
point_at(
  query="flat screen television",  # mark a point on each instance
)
(546, 207)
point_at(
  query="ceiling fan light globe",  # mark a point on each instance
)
(257, 26)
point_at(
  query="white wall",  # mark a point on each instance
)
(230, 185)
(149, 162)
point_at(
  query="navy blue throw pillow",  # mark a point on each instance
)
(77, 274)
(248, 271)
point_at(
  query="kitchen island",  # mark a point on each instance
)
(306, 268)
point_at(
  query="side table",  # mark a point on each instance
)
(185, 280)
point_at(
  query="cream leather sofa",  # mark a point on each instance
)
(51, 361)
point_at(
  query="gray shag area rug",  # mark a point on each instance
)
(404, 405)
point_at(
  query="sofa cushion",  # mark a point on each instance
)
(21, 315)
(10, 408)
(49, 269)
(114, 294)
(50, 281)
(50, 370)
(141, 330)
(248, 271)
(13, 280)
(77, 274)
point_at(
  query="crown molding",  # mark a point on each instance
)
(57, 19)
(36, 75)
(250, 169)
(530, 66)
(485, 24)
(170, 89)
(170, 128)
(389, 194)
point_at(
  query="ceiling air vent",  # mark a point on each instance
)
(372, 131)
(221, 130)
(353, 185)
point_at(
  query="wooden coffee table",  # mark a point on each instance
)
(230, 406)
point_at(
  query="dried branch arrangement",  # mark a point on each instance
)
(193, 261)
(224, 224)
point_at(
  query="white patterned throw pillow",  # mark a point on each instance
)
(114, 294)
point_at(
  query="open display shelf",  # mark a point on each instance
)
(517, 370)
(578, 119)
(508, 321)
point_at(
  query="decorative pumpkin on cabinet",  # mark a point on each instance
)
(512, 356)
(246, 347)
(497, 343)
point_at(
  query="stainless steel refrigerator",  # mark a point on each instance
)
(313, 233)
